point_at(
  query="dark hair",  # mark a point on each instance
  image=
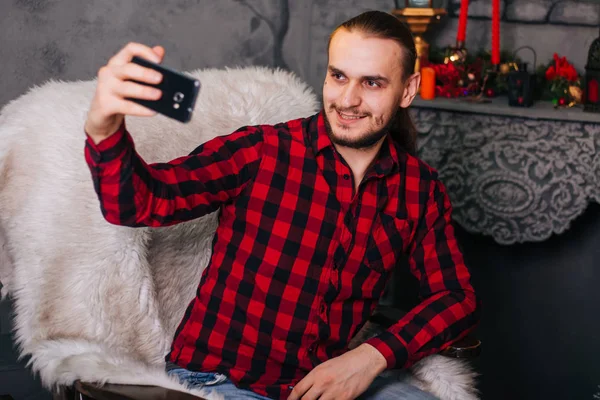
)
(385, 26)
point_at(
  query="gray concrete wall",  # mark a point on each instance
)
(71, 39)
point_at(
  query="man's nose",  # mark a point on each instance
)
(350, 96)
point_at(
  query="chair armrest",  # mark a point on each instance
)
(111, 391)
(467, 347)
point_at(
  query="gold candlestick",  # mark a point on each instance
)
(419, 19)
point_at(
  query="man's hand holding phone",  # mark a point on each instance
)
(110, 103)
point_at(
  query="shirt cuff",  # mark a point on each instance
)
(392, 349)
(108, 149)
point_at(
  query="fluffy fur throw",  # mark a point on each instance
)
(98, 302)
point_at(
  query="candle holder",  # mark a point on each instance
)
(481, 97)
(456, 54)
(420, 15)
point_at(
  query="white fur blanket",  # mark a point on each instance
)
(98, 302)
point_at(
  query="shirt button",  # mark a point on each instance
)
(346, 176)
(311, 349)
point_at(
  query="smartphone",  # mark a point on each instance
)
(179, 92)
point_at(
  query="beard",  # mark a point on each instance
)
(363, 141)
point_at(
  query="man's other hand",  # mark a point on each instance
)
(342, 378)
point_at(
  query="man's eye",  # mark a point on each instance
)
(372, 84)
(337, 76)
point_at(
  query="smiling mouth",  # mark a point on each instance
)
(349, 117)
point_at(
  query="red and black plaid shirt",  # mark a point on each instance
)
(299, 259)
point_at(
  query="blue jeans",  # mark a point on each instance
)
(390, 387)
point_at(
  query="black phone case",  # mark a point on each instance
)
(179, 92)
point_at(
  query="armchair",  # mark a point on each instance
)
(96, 305)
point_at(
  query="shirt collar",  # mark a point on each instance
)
(319, 138)
(385, 163)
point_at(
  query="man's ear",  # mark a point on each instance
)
(410, 90)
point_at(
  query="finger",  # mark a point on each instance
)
(136, 91)
(133, 49)
(128, 107)
(160, 52)
(313, 393)
(131, 71)
(301, 388)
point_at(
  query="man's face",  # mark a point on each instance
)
(363, 88)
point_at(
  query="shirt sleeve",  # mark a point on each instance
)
(448, 308)
(134, 193)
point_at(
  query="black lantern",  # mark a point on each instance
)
(520, 82)
(592, 78)
(520, 87)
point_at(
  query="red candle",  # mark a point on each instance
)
(462, 21)
(495, 32)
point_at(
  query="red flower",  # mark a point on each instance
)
(550, 73)
(561, 69)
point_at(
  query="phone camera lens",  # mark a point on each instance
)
(178, 98)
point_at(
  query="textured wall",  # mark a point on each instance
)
(71, 39)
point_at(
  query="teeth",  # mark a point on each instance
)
(348, 116)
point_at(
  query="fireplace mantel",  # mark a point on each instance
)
(516, 174)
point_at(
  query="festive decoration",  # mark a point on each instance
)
(456, 54)
(520, 82)
(457, 79)
(520, 87)
(469, 74)
(475, 77)
(562, 82)
(427, 83)
(505, 68)
(495, 32)
(461, 34)
(576, 94)
(592, 78)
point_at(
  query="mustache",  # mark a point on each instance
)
(353, 111)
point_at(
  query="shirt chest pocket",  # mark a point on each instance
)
(387, 243)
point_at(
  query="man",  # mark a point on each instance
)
(315, 213)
